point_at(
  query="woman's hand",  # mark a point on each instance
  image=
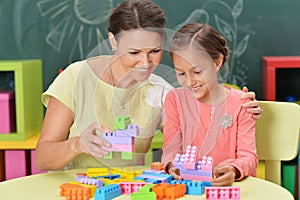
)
(252, 106)
(90, 142)
(225, 175)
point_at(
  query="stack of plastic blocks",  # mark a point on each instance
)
(122, 139)
(191, 169)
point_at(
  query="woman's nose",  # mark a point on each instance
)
(145, 60)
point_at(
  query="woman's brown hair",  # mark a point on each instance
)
(136, 14)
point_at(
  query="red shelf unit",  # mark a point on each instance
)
(270, 64)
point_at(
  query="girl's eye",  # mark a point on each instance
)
(197, 72)
(180, 74)
(155, 51)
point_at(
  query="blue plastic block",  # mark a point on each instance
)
(207, 184)
(108, 192)
(195, 188)
(111, 176)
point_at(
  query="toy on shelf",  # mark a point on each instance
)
(190, 168)
(122, 139)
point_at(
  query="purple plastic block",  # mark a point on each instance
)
(195, 172)
(179, 161)
(91, 181)
(149, 171)
(113, 138)
(132, 130)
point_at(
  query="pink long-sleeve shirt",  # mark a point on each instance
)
(227, 134)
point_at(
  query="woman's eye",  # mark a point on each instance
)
(133, 52)
(155, 51)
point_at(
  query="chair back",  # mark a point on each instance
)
(277, 136)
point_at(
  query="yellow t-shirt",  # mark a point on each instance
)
(93, 100)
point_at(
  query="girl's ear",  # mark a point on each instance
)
(112, 40)
(219, 62)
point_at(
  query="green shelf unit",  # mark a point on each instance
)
(28, 89)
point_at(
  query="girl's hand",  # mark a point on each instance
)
(252, 106)
(170, 169)
(90, 142)
(225, 175)
(175, 173)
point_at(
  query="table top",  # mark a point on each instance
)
(46, 186)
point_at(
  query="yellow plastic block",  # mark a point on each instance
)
(92, 172)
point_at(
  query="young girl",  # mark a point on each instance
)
(204, 113)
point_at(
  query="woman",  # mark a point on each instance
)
(88, 95)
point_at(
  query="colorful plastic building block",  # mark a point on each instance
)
(154, 177)
(107, 192)
(228, 193)
(122, 140)
(191, 155)
(193, 188)
(91, 181)
(93, 172)
(147, 188)
(157, 166)
(191, 169)
(121, 123)
(175, 191)
(143, 195)
(130, 187)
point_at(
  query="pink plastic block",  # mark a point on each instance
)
(120, 148)
(130, 187)
(206, 164)
(34, 170)
(190, 157)
(8, 112)
(196, 178)
(16, 164)
(228, 193)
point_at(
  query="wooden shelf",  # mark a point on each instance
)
(29, 143)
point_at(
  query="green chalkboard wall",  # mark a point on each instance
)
(62, 31)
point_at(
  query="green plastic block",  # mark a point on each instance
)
(126, 155)
(146, 188)
(289, 177)
(121, 123)
(109, 156)
(28, 90)
(143, 195)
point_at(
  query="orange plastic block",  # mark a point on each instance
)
(157, 166)
(75, 191)
(175, 191)
(160, 190)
